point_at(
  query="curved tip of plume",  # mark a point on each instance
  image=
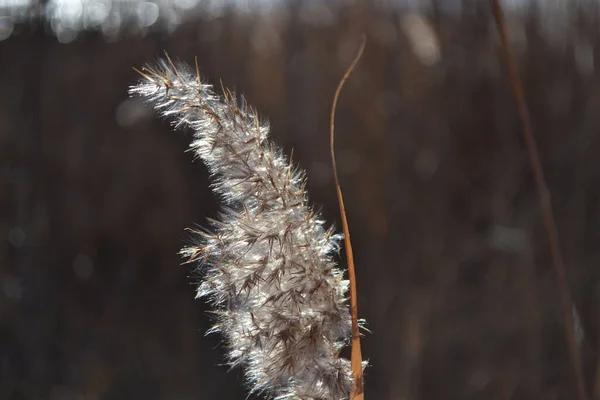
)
(267, 263)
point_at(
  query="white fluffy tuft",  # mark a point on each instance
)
(267, 263)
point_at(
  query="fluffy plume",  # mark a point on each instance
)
(267, 264)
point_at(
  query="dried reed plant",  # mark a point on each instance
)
(266, 264)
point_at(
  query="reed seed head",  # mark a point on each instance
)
(266, 264)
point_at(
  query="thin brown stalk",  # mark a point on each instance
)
(545, 203)
(356, 356)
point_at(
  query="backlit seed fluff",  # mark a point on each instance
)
(266, 264)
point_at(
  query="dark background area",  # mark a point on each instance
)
(454, 273)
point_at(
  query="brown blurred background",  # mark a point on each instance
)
(454, 273)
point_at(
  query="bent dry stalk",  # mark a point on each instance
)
(267, 263)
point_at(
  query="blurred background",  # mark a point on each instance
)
(454, 273)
